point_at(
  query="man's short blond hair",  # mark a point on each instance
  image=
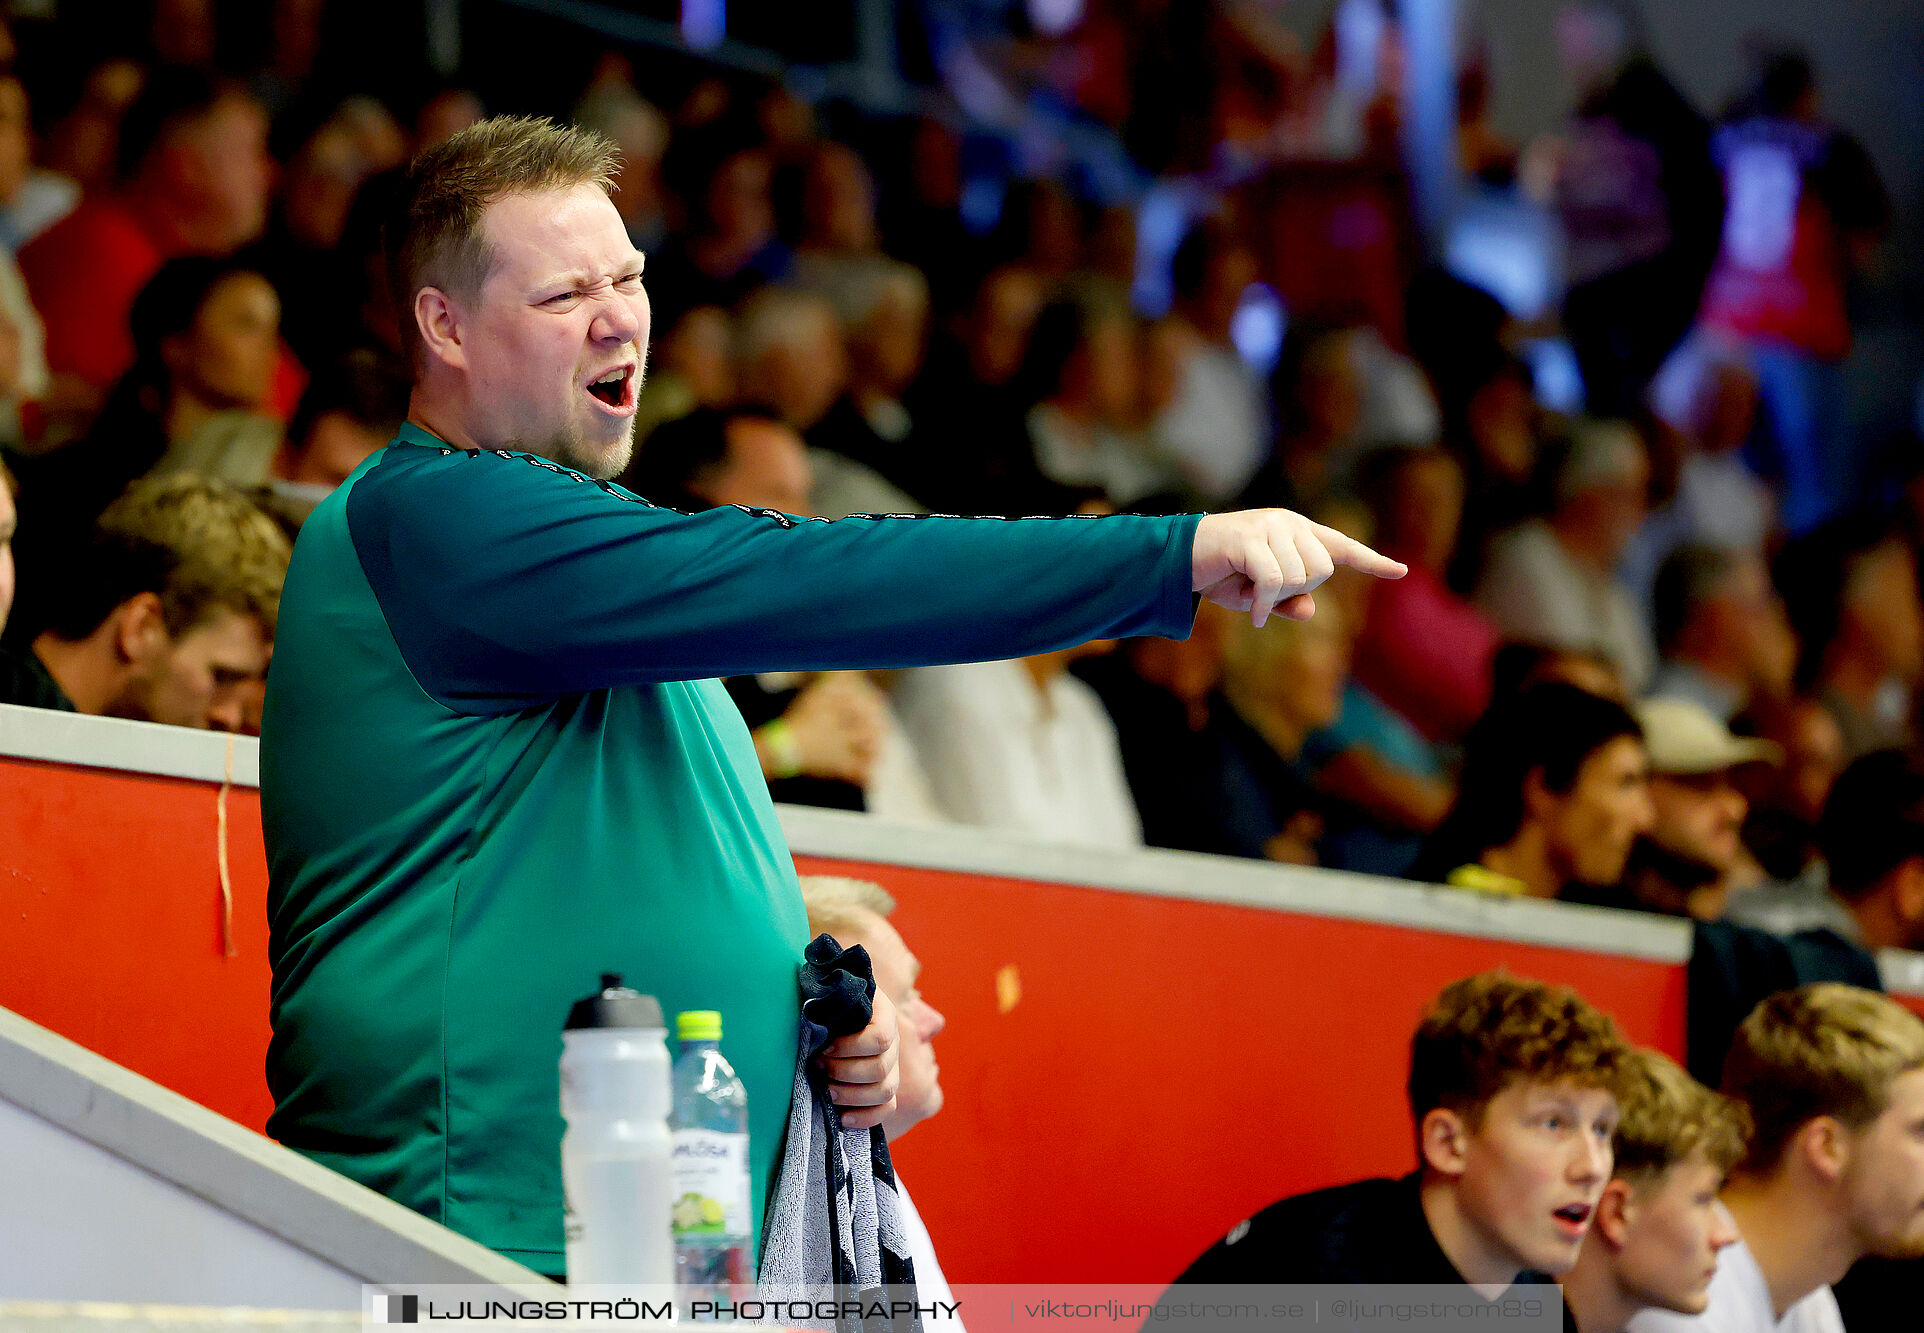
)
(836, 903)
(1821, 1050)
(434, 236)
(1485, 1032)
(1668, 1117)
(219, 549)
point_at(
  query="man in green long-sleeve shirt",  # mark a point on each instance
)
(495, 762)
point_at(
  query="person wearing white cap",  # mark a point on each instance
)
(1693, 857)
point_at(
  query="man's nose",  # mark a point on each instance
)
(225, 714)
(618, 320)
(1593, 1160)
(933, 1021)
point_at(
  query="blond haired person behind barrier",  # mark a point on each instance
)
(166, 615)
(1833, 1077)
(1659, 1225)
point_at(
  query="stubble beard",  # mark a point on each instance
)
(603, 464)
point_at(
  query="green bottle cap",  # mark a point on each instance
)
(698, 1025)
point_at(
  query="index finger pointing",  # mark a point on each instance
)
(1346, 550)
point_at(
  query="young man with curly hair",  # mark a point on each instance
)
(1514, 1088)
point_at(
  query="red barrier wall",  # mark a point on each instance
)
(1126, 1074)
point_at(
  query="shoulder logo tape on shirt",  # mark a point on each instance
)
(775, 515)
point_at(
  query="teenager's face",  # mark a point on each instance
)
(1592, 826)
(1533, 1170)
(1884, 1183)
(1674, 1228)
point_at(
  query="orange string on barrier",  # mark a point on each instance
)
(220, 856)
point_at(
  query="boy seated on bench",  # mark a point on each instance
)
(1513, 1086)
(1833, 1078)
(1659, 1225)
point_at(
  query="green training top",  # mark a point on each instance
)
(494, 765)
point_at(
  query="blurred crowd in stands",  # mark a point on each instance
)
(1646, 626)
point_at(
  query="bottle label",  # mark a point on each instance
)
(711, 1183)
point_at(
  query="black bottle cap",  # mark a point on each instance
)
(615, 1006)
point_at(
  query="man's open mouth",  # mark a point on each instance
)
(612, 388)
(1576, 1214)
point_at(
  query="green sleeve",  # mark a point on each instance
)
(508, 581)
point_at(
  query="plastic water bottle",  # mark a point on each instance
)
(712, 1223)
(614, 1155)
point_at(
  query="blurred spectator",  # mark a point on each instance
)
(1852, 591)
(1423, 651)
(1217, 426)
(24, 380)
(790, 355)
(1283, 683)
(613, 107)
(1639, 202)
(1553, 580)
(302, 253)
(1554, 791)
(1384, 787)
(192, 179)
(969, 400)
(1708, 392)
(83, 141)
(444, 113)
(838, 213)
(1723, 632)
(1165, 698)
(731, 246)
(1021, 746)
(30, 200)
(351, 409)
(205, 334)
(1872, 834)
(884, 306)
(1518, 665)
(1081, 375)
(1318, 384)
(1787, 802)
(1805, 208)
(167, 615)
(690, 365)
(1692, 860)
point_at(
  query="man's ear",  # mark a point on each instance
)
(1444, 1141)
(1616, 1213)
(439, 319)
(1825, 1146)
(1908, 894)
(140, 629)
(1537, 796)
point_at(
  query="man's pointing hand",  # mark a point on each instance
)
(1264, 560)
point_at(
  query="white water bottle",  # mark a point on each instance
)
(615, 1154)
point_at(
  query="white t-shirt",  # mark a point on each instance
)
(1535, 590)
(930, 1285)
(1002, 754)
(1740, 1303)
